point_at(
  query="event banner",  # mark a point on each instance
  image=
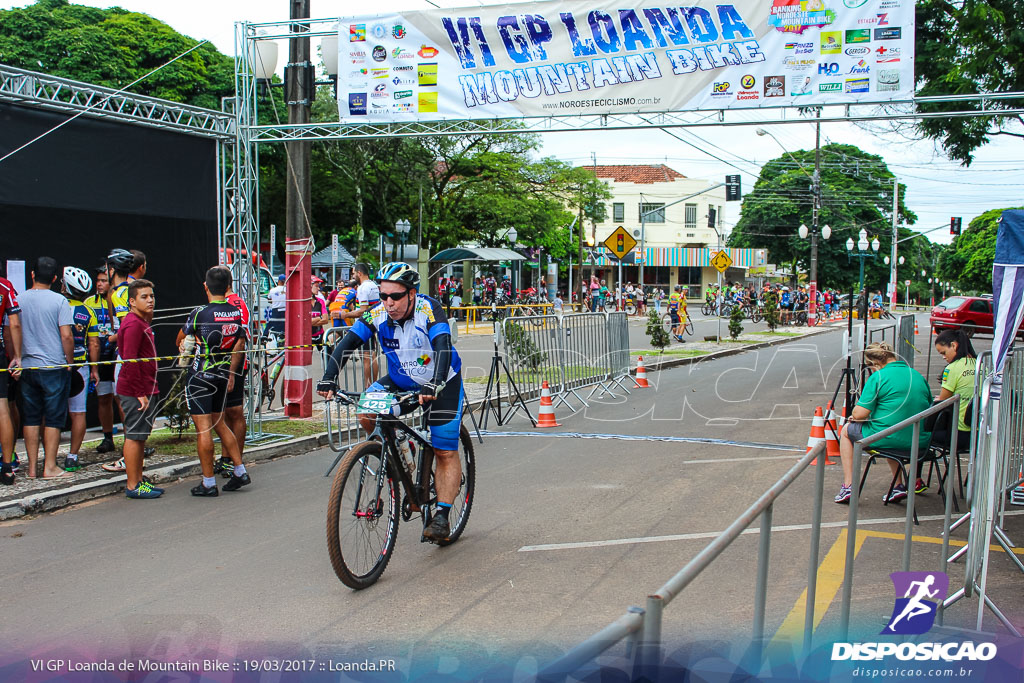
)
(571, 57)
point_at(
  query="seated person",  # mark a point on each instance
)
(893, 393)
(957, 378)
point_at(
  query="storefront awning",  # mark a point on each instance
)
(476, 254)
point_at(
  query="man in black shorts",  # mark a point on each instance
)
(10, 361)
(219, 336)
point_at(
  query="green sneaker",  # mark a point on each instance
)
(143, 490)
(72, 464)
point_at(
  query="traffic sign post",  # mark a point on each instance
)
(620, 243)
(334, 259)
(721, 261)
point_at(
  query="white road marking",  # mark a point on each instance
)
(715, 534)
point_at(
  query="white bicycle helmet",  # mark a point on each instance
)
(77, 282)
(399, 272)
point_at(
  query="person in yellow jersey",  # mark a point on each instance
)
(76, 284)
(677, 313)
(108, 352)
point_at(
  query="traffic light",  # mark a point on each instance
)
(712, 214)
(954, 225)
(732, 188)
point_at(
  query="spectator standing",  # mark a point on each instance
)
(278, 303)
(234, 410)
(10, 362)
(367, 298)
(137, 390)
(220, 338)
(108, 352)
(47, 341)
(344, 302)
(318, 312)
(77, 284)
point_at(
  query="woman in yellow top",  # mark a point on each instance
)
(957, 378)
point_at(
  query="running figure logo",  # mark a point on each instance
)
(914, 612)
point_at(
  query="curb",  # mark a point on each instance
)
(79, 493)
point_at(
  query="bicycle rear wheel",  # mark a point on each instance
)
(689, 326)
(362, 521)
(463, 505)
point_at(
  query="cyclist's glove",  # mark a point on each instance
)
(431, 389)
(327, 385)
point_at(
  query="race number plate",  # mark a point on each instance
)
(375, 403)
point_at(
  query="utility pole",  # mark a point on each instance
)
(580, 260)
(812, 304)
(895, 240)
(298, 388)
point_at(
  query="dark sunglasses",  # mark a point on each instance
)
(394, 297)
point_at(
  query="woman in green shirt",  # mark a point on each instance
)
(958, 378)
(893, 393)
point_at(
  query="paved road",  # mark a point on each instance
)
(248, 573)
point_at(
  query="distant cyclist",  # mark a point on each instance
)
(413, 331)
(85, 332)
(677, 313)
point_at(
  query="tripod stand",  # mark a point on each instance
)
(492, 405)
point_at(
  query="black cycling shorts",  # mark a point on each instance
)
(444, 413)
(207, 393)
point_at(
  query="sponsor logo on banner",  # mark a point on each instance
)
(854, 4)
(830, 87)
(402, 53)
(775, 86)
(855, 85)
(888, 80)
(856, 51)
(379, 31)
(831, 42)
(397, 80)
(427, 52)
(358, 84)
(803, 89)
(888, 33)
(409, 67)
(860, 67)
(828, 69)
(748, 82)
(356, 34)
(403, 94)
(427, 102)
(357, 104)
(721, 89)
(858, 35)
(426, 74)
(380, 53)
(380, 92)
(799, 63)
(403, 106)
(882, 19)
(787, 17)
(398, 32)
(380, 73)
(358, 73)
(885, 54)
(748, 95)
(890, 4)
(800, 48)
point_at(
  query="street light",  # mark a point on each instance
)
(862, 252)
(512, 235)
(402, 229)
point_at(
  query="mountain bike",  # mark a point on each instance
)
(272, 366)
(363, 509)
(666, 320)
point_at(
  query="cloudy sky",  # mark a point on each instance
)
(937, 188)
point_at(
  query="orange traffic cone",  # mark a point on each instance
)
(641, 374)
(817, 434)
(831, 435)
(546, 413)
(915, 328)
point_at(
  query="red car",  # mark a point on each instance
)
(972, 313)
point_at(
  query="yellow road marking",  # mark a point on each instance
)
(830, 580)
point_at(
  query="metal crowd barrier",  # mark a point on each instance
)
(879, 334)
(618, 350)
(532, 350)
(585, 351)
(642, 626)
(905, 339)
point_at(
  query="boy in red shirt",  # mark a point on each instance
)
(137, 389)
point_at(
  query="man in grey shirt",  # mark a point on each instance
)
(47, 341)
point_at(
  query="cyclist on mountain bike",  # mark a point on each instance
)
(677, 313)
(413, 331)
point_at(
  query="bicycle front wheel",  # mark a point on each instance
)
(362, 516)
(689, 326)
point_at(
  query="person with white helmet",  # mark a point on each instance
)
(414, 333)
(85, 330)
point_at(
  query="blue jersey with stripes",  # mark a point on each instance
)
(407, 345)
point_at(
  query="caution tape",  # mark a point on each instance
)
(119, 361)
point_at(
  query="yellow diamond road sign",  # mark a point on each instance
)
(620, 243)
(721, 261)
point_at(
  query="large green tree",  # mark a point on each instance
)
(968, 261)
(965, 47)
(857, 192)
(113, 47)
